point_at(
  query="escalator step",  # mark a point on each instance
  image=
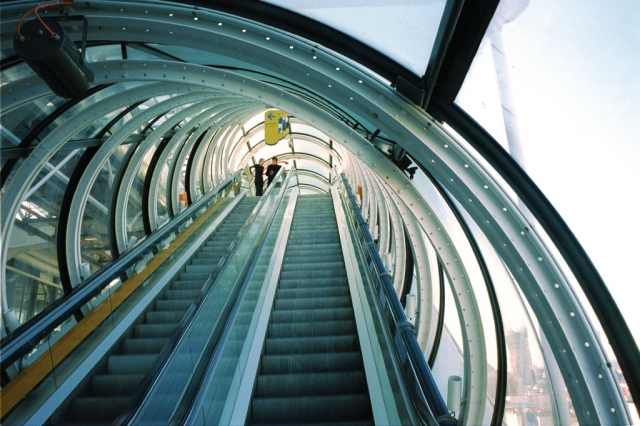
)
(144, 346)
(312, 409)
(313, 303)
(300, 227)
(91, 410)
(312, 329)
(304, 363)
(329, 256)
(308, 384)
(310, 266)
(155, 330)
(310, 238)
(130, 364)
(335, 291)
(191, 276)
(205, 262)
(294, 315)
(311, 282)
(173, 305)
(115, 384)
(199, 269)
(164, 317)
(324, 273)
(186, 285)
(182, 294)
(311, 345)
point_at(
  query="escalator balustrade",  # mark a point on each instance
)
(110, 389)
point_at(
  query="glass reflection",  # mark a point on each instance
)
(20, 122)
(33, 277)
(94, 234)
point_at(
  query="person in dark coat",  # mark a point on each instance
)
(258, 170)
(272, 170)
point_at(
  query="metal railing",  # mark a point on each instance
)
(25, 338)
(426, 397)
(186, 377)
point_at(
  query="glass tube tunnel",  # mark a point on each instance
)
(389, 196)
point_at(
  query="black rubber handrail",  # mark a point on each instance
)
(501, 340)
(142, 393)
(425, 394)
(22, 340)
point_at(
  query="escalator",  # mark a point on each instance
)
(311, 370)
(110, 388)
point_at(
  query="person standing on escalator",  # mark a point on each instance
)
(272, 170)
(258, 170)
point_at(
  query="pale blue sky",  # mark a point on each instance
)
(574, 68)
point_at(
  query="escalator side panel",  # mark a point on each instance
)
(113, 384)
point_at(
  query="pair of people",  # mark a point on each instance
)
(272, 171)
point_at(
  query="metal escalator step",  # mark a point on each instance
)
(304, 218)
(315, 250)
(311, 238)
(148, 345)
(327, 256)
(310, 264)
(334, 291)
(183, 294)
(312, 329)
(319, 228)
(311, 409)
(305, 363)
(294, 315)
(209, 263)
(311, 282)
(307, 345)
(187, 285)
(307, 384)
(155, 330)
(130, 364)
(323, 273)
(205, 268)
(313, 303)
(173, 305)
(92, 410)
(191, 276)
(164, 317)
(115, 384)
(329, 246)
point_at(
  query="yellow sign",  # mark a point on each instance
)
(276, 126)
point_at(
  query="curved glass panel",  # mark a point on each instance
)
(562, 97)
(19, 122)
(135, 225)
(33, 277)
(404, 31)
(94, 235)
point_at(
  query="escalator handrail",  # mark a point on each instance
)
(186, 406)
(136, 403)
(399, 325)
(22, 340)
